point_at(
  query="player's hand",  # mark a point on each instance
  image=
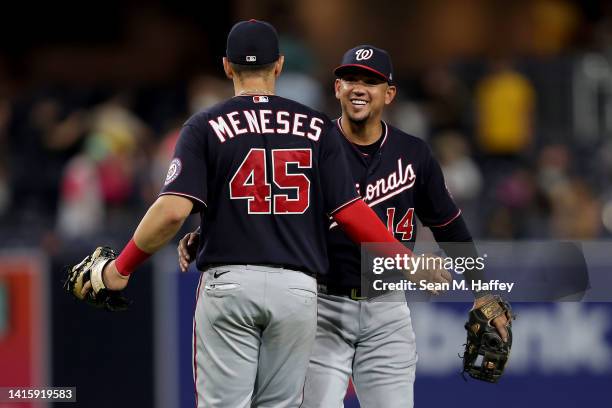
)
(187, 248)
(500, 322)
(431, 270)
(111, 277)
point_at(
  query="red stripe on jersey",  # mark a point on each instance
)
(182, 195)
(344, 205)
(386, 133)
(447, 222)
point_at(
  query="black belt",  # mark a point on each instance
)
(354, 293)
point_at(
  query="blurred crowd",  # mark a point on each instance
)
(524, 141)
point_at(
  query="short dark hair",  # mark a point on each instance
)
(252, 70)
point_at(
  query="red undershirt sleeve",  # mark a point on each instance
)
(362, 224)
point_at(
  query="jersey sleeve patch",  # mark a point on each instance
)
(173, 171)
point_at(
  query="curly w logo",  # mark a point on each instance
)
(363, 54)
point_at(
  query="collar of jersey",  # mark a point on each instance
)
(385, 126)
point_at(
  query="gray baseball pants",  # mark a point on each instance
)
(373, 342)
(254, 327)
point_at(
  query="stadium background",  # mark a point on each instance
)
(515, 98)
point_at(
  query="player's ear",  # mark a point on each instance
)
(390, 94)
(278, 66)
(228, 68)
(337, 85)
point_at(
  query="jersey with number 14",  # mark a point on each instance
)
(398, 181)
(265, 173)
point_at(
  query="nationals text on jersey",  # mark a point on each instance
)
(396, 182)
(266, 121)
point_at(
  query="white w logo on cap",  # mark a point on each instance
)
(363, 54)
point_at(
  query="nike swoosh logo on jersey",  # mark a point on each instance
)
(219, 273)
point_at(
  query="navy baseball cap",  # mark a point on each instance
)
(366, 58)
(252, 42)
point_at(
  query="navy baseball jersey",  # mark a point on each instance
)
(265, 173)
(399, 179)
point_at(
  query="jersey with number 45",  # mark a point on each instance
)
(265, 173)
(399, 181)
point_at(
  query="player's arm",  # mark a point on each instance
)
(161, 222)
(184, 192)
(159, 225)
(455, 239)
(357, 220)
(436, 209)
(361, 224)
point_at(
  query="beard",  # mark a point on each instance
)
(357, 120)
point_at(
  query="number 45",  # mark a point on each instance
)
(250, 182)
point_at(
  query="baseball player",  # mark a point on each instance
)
(264, 173)
(397, 176)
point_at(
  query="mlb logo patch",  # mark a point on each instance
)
(260, 99)
(251, 58)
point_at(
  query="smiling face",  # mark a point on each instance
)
(363, 96)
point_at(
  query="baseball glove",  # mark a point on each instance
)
(484, 341)
(90, 269)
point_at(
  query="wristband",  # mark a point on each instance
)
(130, 258)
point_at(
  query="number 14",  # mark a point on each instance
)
(404, 226)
